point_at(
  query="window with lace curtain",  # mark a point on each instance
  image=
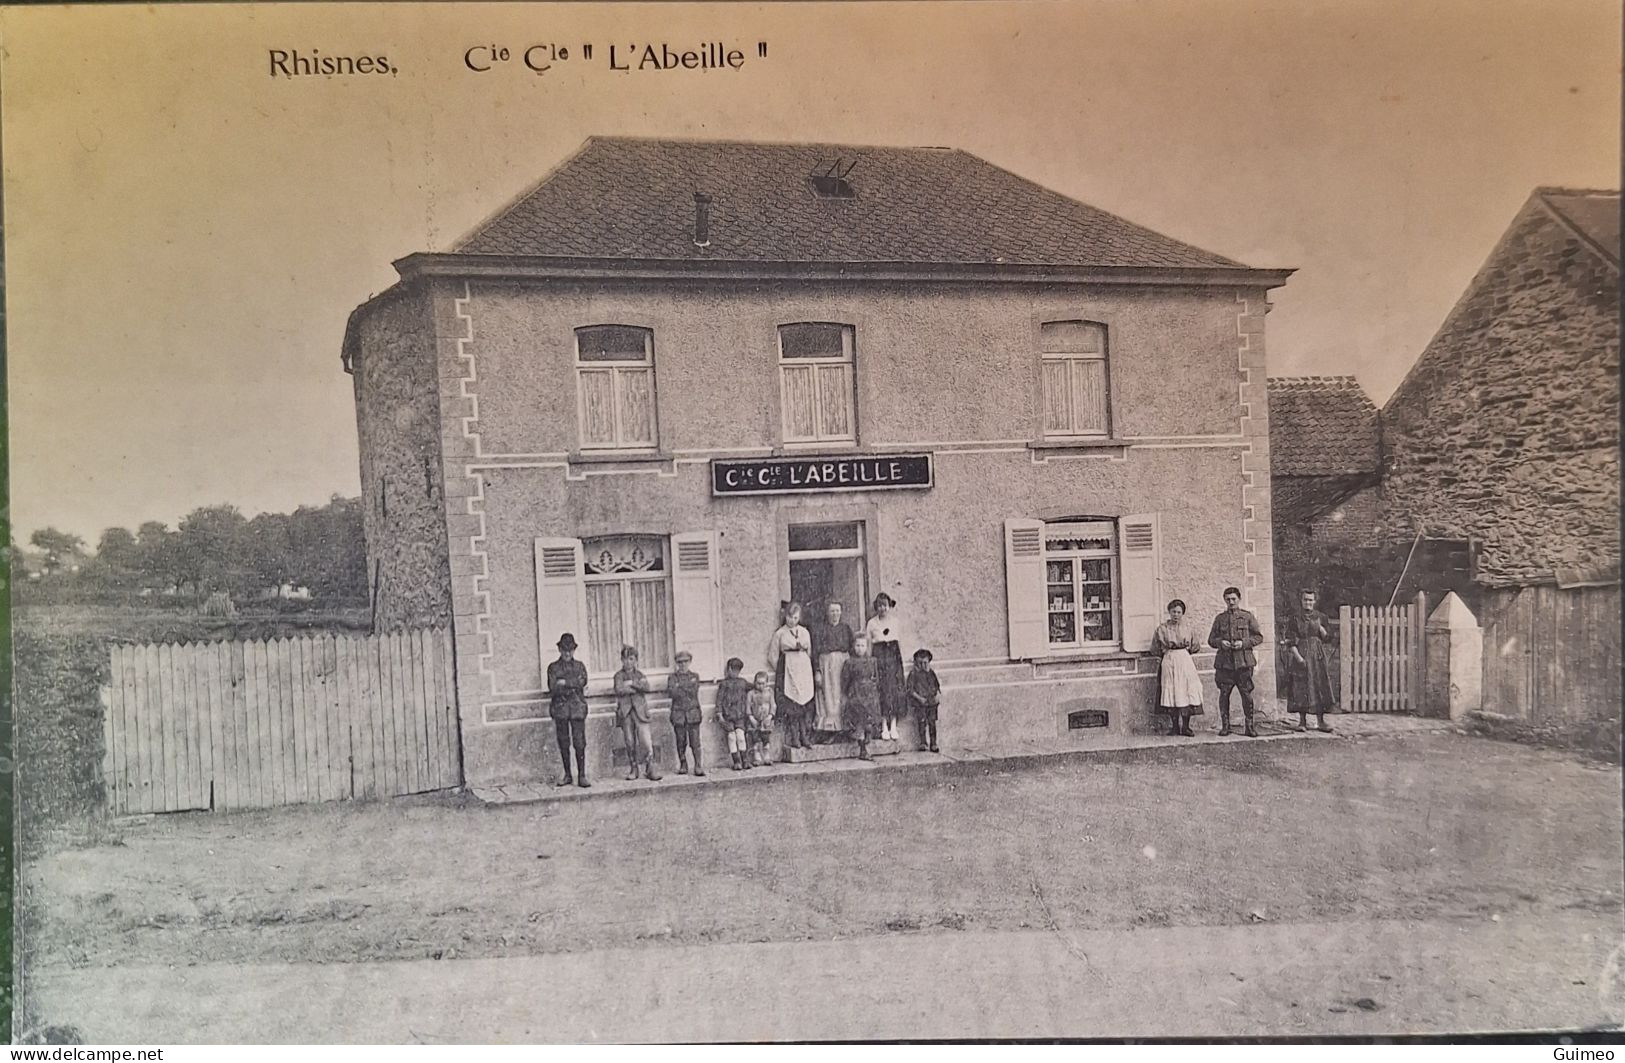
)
(816, 382)
(1073, 362)
(615, 376)
(628, 585)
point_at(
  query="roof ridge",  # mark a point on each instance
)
(764, 143)
(1559, 190)
(1312, 378)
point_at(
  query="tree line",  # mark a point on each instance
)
(213, 549)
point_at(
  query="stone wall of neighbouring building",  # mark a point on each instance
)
(1507, 430)
(390, 349)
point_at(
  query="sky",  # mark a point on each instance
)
(185, 234)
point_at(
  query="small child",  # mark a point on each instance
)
(761, 707)
(733, 711)
(684, 687)
(924, 691)
(860, 695)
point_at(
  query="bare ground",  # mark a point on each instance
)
(1432, 827)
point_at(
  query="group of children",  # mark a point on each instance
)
(746, 710)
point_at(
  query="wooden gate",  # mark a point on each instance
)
(228, 725)
(1382, 656)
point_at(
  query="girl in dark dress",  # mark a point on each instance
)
(1309, 685)
(860, 694)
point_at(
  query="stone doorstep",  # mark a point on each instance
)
(840, 751)
(1355, 725)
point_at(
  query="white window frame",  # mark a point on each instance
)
(607, 669)
(1078, 585)
(847, 358)
(1069, 358)
(618, 370)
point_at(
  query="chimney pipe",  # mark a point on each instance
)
(702, 220)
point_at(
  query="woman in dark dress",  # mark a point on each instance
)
(1309, 685)
(885, 631)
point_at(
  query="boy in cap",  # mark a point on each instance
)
(567, 705)
(684, 687)
(924, 691)
(632, 713)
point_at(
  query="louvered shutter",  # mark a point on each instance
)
(1024, 587)
(696, 600)
(561, 597)
(1140, 549)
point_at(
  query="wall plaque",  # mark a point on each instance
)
(783, 476)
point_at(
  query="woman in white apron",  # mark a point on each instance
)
(790, 655)
(1180, 688)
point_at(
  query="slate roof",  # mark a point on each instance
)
(1322, 426)
(628, 198)
(1594, 214)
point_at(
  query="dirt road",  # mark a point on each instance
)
(1456, 838)
(1360, 978)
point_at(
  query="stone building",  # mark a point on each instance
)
(1500, 464)
(676, 382)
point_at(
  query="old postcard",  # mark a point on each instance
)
(814, 522)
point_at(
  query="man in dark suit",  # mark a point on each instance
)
(567, 705)
(1235, 632)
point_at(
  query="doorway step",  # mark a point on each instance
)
(840, 751)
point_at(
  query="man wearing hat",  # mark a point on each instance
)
(567, 705)
(684, 687)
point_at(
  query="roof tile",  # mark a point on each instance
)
(634, 198)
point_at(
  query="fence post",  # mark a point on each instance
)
(1455, 649)
(1419, 652)
(1345, 656)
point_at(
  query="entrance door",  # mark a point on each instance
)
(827, 564)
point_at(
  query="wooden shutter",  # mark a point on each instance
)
(1140, 550)
(561, 598)
(1024, 588)
(696, 600)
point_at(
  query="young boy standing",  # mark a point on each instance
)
(632, 713)
(924, 691)
(733, 712)
(762, 706)
(684, 687)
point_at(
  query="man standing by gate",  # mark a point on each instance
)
(1235, 632)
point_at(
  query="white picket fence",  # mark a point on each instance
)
(229, 725)
(1383, 656)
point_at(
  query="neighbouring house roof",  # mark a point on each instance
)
(627, 198)
(1322, 426)
(1592, 214)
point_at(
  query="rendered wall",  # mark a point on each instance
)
(949, 369)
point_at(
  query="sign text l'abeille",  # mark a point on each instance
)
(777, 476)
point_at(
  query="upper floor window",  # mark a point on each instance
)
(1074, 367)
(816, 382)
(616, 381)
